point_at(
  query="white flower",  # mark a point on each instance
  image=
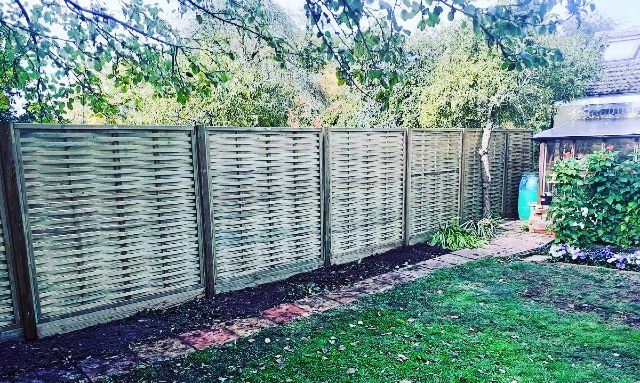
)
(585, 211)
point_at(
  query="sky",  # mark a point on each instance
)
(625, 12)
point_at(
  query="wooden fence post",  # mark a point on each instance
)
(407, 187)
(18, 233)
(325, 195)
(204, 192)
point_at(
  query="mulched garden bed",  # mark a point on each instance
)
(117, 337)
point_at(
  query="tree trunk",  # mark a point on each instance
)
(486, 166)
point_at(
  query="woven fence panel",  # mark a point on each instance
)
(266, 205)
(367, 181)
(7, 317)
(113, 217)
(519, 161)
(472, 185)
(435, 180)
(498, 160)
(472, 182)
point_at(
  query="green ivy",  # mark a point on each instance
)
(596, 200)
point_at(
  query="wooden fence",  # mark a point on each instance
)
(99, 222)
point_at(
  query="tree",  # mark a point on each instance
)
(257, 92)
(59, 48)
(470, 89)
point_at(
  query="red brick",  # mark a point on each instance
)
(317, 304)
(248, 326)
(202, 339)
(344, 295)
(162, 350)
(371, 286)
(284, 313)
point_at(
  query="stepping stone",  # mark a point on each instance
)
(203, 339)
(345, 295)
(438, 263)
(56, 375)
(102, 367)
(454, 259)
(162, 350)
(248, 326)
(371, 286)
(284, 313)
(317, 304)
(471, 254)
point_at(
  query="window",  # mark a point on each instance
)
(622, 50)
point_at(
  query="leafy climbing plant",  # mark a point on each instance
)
(597, 200)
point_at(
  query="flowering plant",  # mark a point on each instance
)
(597, 255)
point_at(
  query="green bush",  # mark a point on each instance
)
(468, 235)
(596, 200)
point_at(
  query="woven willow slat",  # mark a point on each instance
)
(519, 161)
(435, 180)
(7, 318)
(266, 205)
(367, 182)
(113, 218)
(498, 158)
(472, 184)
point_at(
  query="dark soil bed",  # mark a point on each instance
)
(117, 337)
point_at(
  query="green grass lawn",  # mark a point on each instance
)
(488, 321)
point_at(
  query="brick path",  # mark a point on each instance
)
(512, 241)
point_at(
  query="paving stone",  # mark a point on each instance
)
(471, 254)
(162, 350)
(454, 259)
(317, 304)
(420, 272)
(55, 375)
(97, 367)
(403, 276)
(373, 285)
(248, 326)
(202, 339)
(345, 295)
(383, 282)
(284, 313)
(438, 263)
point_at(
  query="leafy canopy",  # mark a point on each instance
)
(54, 52)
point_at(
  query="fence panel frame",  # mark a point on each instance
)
(112, 311)
(20, 254)
(368, 251)
(269, 277)
(418, 237)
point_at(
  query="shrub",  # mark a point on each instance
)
(597, 255)
(596, 201)
(455, 235)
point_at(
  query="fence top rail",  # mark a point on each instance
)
(30, 126)
(500, 130)
(263, 129)
(365, 130)
(38, 126)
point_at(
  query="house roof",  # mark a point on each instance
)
(621, 127)
(621, 65)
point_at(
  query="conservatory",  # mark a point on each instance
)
(581, 137)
